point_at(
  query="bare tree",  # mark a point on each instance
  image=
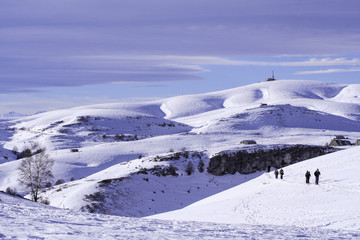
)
(35, 171)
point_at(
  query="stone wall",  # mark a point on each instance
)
(252, 160)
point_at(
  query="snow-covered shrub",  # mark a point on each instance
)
(45, 201)
(96, 203)
(60, 181)
(24, 154)
(11, 191)
(201, 166)
(119, 137)
(83, 118)
(189, 168)
(160, 171)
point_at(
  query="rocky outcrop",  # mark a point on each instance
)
(252, 160)
(160, 171)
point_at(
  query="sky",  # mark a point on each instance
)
(65, 53)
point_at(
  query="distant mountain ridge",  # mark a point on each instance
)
(12, 114)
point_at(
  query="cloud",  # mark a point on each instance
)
(30, 74)
(150, 86)
(327, 71)
(196, 62)
(34, 73)
(82, 42)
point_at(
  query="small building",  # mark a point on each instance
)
(340, 137)
(248, 142)
(357, 143)
(74, 150)
(340, 142)
(263, 104)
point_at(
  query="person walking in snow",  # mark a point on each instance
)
(317, 175)
(307, 176)
(276, 173)
(281, 173)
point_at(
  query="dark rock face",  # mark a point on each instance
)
(160, 171)
(250, 161)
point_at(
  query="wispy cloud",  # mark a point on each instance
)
(327, 71)
(33, 73)
(196, 62)
(150, 86)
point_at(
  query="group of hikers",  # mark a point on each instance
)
(316, 174)
(277, 173)
(307, 175)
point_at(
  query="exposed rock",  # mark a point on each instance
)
(160, 171)
(250, 161)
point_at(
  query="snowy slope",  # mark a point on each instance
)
(333, 204)
(284, 117)
(143, 187)
(339, 104)
(5, 135)
(21, 219)
(110, 139)
(83, 126)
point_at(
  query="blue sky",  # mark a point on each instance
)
(64, 53)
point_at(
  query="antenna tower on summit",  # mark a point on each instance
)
(272, 78)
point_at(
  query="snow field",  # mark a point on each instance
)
(290, 202)
(297, 112)
(21, 219)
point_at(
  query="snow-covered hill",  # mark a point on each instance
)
(121, 156)
(309, 105)
(289, 202)
(143, 187)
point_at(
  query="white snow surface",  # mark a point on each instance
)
(263, 208)
(334, 203)
(115, 141)
(22, 219)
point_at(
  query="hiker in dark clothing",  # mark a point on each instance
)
(317, 175)
(276, 173)
(268, 168)
(307, 176)
(281, 173)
